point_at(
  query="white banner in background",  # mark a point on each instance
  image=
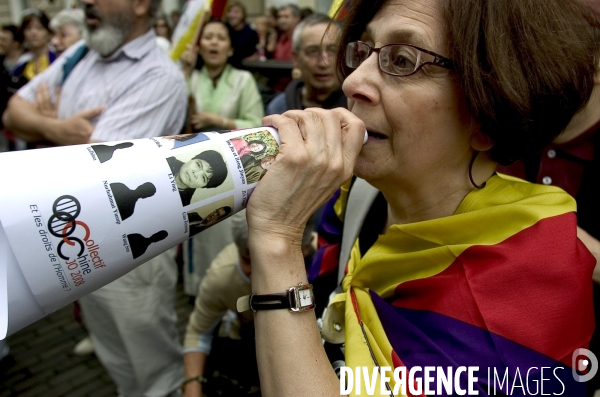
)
(77, 218)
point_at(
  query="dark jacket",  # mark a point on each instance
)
(244, 44)
(291, 99)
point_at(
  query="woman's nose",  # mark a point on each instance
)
(363, 84)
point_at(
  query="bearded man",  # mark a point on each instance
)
(116, 85)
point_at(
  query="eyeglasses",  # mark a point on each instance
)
(314, 51)
(395, 59)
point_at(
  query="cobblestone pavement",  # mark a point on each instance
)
(42, 363)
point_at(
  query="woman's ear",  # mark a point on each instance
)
(480, 141)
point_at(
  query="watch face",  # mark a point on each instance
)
(305, 298)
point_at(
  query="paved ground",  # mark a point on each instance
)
(41, 361)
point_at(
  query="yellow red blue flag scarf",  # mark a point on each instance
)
(502, 284)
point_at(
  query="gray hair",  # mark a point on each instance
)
(311, 20)
(294, 9)
(74, 17)
(239, 230)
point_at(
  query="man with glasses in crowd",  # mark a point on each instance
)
(314, 49)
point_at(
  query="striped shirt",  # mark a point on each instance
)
(143, 91)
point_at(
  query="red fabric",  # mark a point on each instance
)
(342, 13)
(218, 8)
(330, 259)
(321, 241)
(507, 289)
(9, 135)
(563, 172)
(283, 50)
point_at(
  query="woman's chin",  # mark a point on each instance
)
(366, 169)
(214, 61)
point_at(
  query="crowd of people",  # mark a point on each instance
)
(220, 96)
(428, 253)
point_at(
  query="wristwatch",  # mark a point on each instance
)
(296, 299)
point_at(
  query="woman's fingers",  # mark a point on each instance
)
(190, 54)
(331, 136)
(321, 131)
(353, 134)
(311, 164)
(288, 129)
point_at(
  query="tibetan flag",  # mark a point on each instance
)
(503, 284)
(195, 13)
(325, 260)
(185, 31)
(338, 10)
(219, 8)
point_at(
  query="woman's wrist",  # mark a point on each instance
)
(192, 388)
(277, 264)
(199, 379)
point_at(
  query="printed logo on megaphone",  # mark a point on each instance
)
(75, 238)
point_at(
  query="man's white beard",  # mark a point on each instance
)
(111, 33)
(106, 39)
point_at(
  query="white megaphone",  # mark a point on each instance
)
(75, 218)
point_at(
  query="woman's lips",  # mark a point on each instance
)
(375, 136)
(323, 77)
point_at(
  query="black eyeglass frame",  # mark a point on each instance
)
(438, 60)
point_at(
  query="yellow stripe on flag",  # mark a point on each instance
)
(188, 36)
(335, 6)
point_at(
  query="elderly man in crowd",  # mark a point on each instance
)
(118, 85)
(315, 44)
(287, 19)
(67, 27)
